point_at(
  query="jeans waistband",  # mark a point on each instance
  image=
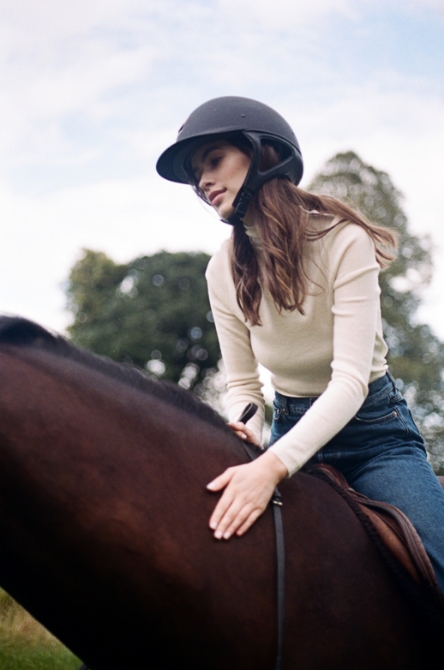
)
(377, 389)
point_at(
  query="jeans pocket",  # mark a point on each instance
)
(372, 417)
(382, 410)
(389, 412)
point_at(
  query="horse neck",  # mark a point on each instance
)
(84, 458)
(104, 503)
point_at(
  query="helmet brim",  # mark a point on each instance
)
(172, 162)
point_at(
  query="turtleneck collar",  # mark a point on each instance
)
(254, 236)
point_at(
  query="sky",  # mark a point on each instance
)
(93, 91)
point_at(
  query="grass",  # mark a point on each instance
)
(26, 645)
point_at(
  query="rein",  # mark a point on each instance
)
(276, 503)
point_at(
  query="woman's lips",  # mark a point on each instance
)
(215, 196)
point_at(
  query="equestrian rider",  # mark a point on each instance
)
(296, 289)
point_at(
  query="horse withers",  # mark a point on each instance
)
(105, 539)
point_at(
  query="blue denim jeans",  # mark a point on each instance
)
(382, 455)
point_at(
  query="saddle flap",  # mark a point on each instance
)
(392, 526)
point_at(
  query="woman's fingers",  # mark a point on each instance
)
(244, 432)
(249, 521)
(222, 514)
(230, 514)
(241, 521)
(248, 489)
(221, 481)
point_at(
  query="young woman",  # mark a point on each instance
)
(296, 289)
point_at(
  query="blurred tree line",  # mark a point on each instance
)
(154, 311)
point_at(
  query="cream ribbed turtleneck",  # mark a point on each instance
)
(333, 350)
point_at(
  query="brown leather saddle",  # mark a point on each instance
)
(393, 528)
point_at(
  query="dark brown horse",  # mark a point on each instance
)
(104, 532)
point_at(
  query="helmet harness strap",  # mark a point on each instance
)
(255, 178)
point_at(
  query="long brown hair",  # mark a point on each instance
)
(282, 213)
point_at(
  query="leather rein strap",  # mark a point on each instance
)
(276, 503)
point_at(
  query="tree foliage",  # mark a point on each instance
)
(416, 355)
(153, 312)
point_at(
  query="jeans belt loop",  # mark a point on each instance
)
(390, 376)
(285, 405)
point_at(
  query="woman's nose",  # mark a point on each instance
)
(205, 181)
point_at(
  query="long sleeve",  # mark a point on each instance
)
(356, 322)
(243, 383)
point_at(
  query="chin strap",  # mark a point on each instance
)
(240, 204)
(289, 168)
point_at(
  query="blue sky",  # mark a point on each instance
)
(93, 91)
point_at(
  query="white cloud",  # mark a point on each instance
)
(43, 235)
(288, 15)
(285, 14)
(399, 130)
(36, 98)
(30, 22)
(59, 59)
(81, 84)
(422, 4)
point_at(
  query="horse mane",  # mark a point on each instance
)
(20, 332)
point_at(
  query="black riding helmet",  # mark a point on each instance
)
(225, 118)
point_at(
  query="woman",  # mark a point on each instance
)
(296, 289)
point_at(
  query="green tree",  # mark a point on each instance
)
(153, 312)
(416, 355)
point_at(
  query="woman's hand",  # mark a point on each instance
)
(244, 432)
(248, 489)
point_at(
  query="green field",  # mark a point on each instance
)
(26, 645)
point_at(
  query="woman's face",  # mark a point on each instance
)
(220, 169)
